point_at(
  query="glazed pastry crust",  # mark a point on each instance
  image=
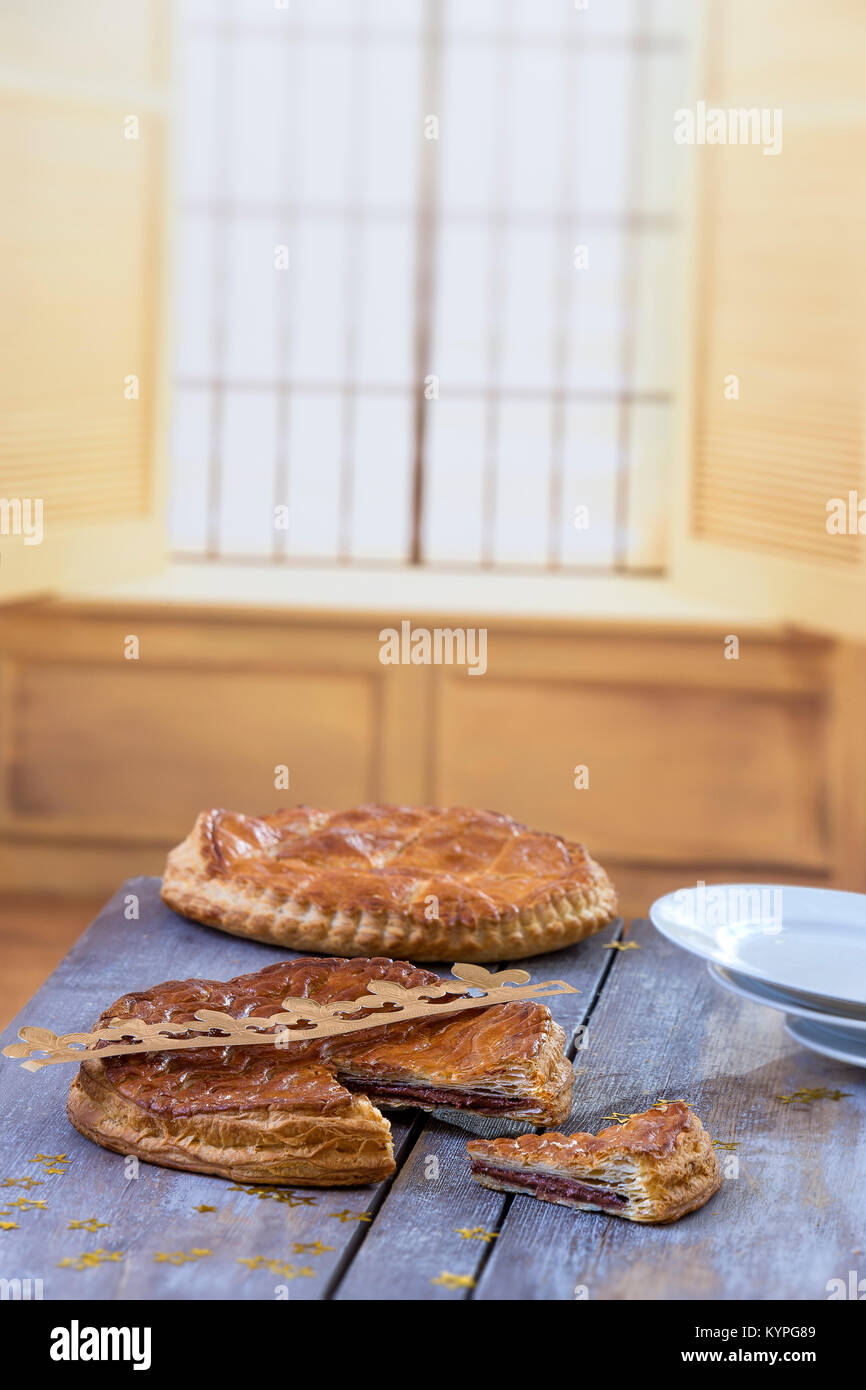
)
(349, 1145)
(303, 1114)
(431, 884)
(661, 1163)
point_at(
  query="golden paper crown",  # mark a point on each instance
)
(299, 1019)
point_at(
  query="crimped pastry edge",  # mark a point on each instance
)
(248, 909)
(305, 1151)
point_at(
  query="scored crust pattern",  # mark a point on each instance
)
(307, 1113)
(456, 884)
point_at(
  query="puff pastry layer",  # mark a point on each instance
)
(654, 1168)
(306, 1114)
(432, 884)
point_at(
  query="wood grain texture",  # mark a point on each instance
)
(416, 1235)
(791, 1220)
(658, 1027)
(154, 1212)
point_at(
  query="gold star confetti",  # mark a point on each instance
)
(315, 1248)
(54, 1170)
(179, 1257)
(350, 1216)
(25, 1203)
(476, 1233)
(621, 1119)
(278, 1194)
(50, 1158)
(9, 1226)
(725, 1144)
(26, 1183)
(288, 1271)
(805, 1095)
(454, 1281)
(621, 946)
(89, 1259)
(204, 1208)
(91, 1225)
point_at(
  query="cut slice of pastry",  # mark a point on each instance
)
(305, 1113)
(453, 885)
(654, 1168)
(300, 1128)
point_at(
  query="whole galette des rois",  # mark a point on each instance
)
(420, 882)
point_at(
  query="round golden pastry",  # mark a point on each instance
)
(429, 884)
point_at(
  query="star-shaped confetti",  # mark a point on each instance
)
(50, 1158)
(476, 1233)
(25, 1203)
(454, 1281)
(54, 1170)
(288, 1271)
(9, 1226)
(314, 1247)
(26, 1183)
(805, 1095)
(350, 1216)
(621, 946)
(621, 1119)
(725, 1144)
(89, 1259)
(180, 1257)
(277, 1194)
(91, 1225)
(203, 1207)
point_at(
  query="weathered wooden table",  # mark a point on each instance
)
(649, 1023)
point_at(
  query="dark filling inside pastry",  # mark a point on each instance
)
(429, 1095)
(548, 1185)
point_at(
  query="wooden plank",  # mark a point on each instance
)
(155, 1212)
(791, 1218)
(415, 1238)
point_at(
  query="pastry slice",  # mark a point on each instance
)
(432, 884)
(654, 1168)
(250, 1122)
(306, 1113)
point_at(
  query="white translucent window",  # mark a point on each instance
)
(426, 261)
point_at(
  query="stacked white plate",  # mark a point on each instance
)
(799, 950)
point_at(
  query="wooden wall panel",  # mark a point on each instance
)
(94, 744)
(699, 767)
(675, 775)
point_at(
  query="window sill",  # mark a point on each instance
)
(603, 598)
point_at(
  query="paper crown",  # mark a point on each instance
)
(299, 1019)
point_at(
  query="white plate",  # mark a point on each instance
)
(811, 941)
(828, 1041)
(786, 1003)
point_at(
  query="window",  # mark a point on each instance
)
(426, 282)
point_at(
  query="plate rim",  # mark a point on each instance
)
(786, 1007)
(836, 1054)
(756, 974)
